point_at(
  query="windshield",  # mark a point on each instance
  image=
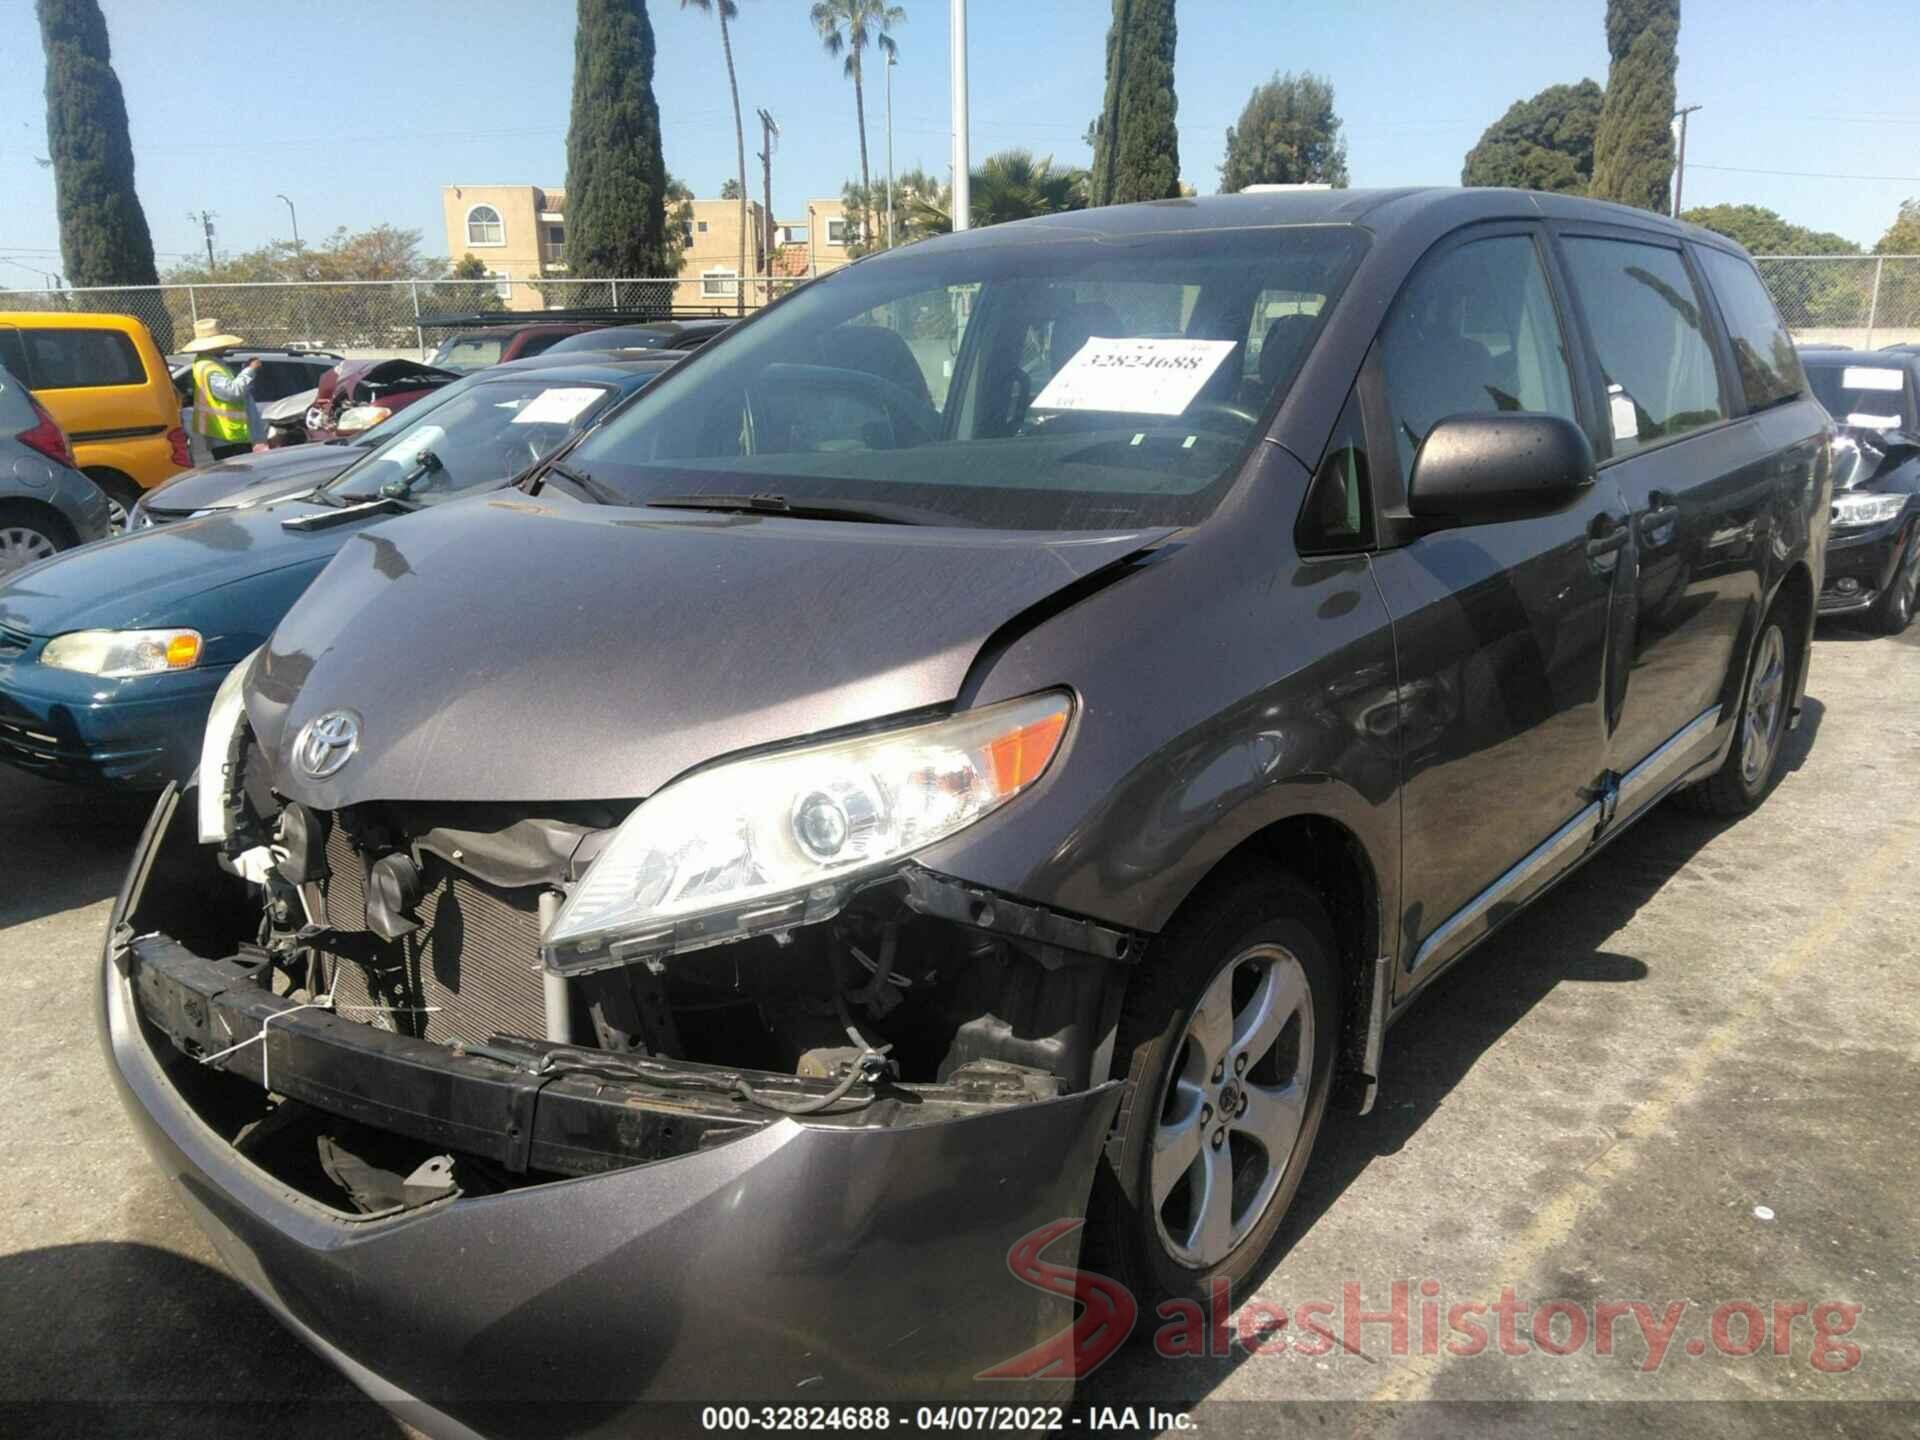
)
(1058, 381)
(479, 435)
(467, 353)
(1872, 396)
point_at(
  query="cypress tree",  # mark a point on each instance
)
(104, 238)
(1633, 146)
(1136, 148)
(616, 177)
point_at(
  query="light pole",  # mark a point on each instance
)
(291, 215)
(962, 199)
(891, 62)
(1680, 168)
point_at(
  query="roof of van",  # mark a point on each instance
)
(72, 319)
(1378, 210)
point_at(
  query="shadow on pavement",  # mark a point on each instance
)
(1559, 941)
(115, 1338)
(62, 847)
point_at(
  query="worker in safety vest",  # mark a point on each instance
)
(226, 421)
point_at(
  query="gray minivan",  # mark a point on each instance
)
(979, 755)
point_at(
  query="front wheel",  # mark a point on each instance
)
(1894, 612)
(1227, 1038)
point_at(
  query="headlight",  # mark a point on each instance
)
(229, 712)
(780, 840)
(1867, 509)
(356, 418)
(118, 654)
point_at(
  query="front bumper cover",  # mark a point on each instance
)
(1867, 555)
(797, 1262)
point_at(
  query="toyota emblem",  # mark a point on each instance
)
(326, 743)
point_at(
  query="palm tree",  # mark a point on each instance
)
(849, 26)
(729, 10)
(1009, 185)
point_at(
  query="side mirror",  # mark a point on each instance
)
(1476, 469)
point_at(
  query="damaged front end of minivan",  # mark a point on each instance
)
(809, 1095)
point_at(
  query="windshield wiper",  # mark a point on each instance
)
(808, 508)
(598, 489)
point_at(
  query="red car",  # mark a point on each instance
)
(475, 348)
(357, 394)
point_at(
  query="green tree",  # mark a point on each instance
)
(104, 239)
(1633, 145)
(1136, 154)
(1008, 185)
(846, 28)
(1903, 236)
(616, 178)
(727, 10)
(1545, 143)
(1764, 232)
(1287, 134)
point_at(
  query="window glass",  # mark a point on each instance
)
(1474, 331)
(1869, 395)
(1762, 348)
(16, 409)
(1644, 313)
(484, 226)
(467, 353)
(1338, 513)
(1061, 382)
(80, 359)
(13, 354)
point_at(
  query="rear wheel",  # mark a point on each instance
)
(1894, 611)
(1753, 764)
(1228, 1037)
(122, 495)
(29, 535)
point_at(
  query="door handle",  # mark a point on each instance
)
(1662, 513)
(1607, 535)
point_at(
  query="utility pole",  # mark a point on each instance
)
(204, 219)
(295, 218)
(891, 62)
(769, 132)
(1680, 169)
(957, 82)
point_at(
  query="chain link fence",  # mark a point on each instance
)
(1864, 301)
(375, 318)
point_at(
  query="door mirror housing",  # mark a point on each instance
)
(1477, 469)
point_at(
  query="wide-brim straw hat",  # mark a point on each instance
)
(207, 335)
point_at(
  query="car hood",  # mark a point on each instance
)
(545, 651)
(144, 579)
(252, 479)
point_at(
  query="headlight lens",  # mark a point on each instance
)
(118, 654)
(356, 418)
(229, 712)
(1866, 509)
(778, 840)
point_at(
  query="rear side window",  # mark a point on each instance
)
(1648, 330)
(1474, 331)
(82, 359)
(538, 345)
(16, 409)
(1762, 348)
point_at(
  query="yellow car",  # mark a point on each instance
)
(106, 382)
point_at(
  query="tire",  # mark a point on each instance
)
(1892, 613)
(1252, 935)
(122, 495)
(28, 535)
(1752, 766)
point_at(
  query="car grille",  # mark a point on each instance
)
(471, 971)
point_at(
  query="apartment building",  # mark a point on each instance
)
(519, 232)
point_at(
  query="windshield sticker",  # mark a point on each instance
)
(1874, 422)
(1134, 377)
(1864, 377)
(558, 406)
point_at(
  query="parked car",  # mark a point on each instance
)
(661, 335)
(46, 505)
(356, 395)
(105, 382)
(110, 656)
(1873, 550)
(975, 750)
(262, 477)
(281, 373)
(494, 342)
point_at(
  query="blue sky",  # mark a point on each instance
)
(362, 114)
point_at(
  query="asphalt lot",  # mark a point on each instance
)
(1690, 1076)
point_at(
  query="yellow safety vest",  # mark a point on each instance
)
(219, 420)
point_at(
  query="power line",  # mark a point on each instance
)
(1805, 174)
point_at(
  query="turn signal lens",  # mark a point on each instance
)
(183, 650)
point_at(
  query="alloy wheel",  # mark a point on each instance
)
(22, 545)
(1235, 1100)
(116, 517)
(1766, 706)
